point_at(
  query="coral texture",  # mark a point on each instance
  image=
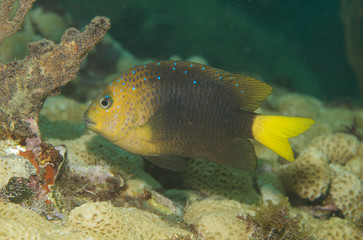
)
(90, 221)
(338, 147)
(108, 222)
(309, 176)
(216, 180)
(336, 228)
(9, 25)
(26, 83)
(217, 219)
(347, 193)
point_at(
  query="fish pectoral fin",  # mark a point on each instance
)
(238, 153)
(162, 125)
(174, 163)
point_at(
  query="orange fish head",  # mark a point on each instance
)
(110, 114)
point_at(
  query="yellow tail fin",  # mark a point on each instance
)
(274, 131)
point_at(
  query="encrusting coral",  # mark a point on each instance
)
(98, 221)
(216, 180)
(216, 219)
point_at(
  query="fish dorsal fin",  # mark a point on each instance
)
(249, 92)
(238, 153)
(162, 124)
(174, 163)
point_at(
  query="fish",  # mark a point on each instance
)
(172, 111)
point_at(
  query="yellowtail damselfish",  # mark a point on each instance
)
(170, 111)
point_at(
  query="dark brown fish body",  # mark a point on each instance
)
(171, 110)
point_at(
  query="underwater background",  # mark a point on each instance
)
(310, 52)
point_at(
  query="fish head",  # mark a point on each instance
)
(111, 114)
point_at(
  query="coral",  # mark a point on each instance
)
(217, 219)
(26, 83)
(90, 221)
(355, 166)
(309, 176)
(109, 222)
(9, 25)
(336, 228)
(339, 147)
(275, 222)
(216, 180)
(346, 192)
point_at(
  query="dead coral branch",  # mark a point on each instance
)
(9, 26)
(25, 84)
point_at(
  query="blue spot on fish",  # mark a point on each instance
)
(175, 63)
(186, 71)
(159, 77)
(158, 63)
(133, 88)
(144, 79)
(195, 82)
(133, 72)
(123, 83)
(203, 68)
(110, 83)
(173, 68)
(191, 65)
(236, 84)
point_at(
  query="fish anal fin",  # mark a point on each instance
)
(174, 163)
(238, 153)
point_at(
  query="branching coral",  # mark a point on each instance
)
(26, 83)
(9, 25)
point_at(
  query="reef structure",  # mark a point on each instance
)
(26, 83)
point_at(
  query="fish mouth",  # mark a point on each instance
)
(89, 124)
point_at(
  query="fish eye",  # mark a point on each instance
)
(106, 102)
